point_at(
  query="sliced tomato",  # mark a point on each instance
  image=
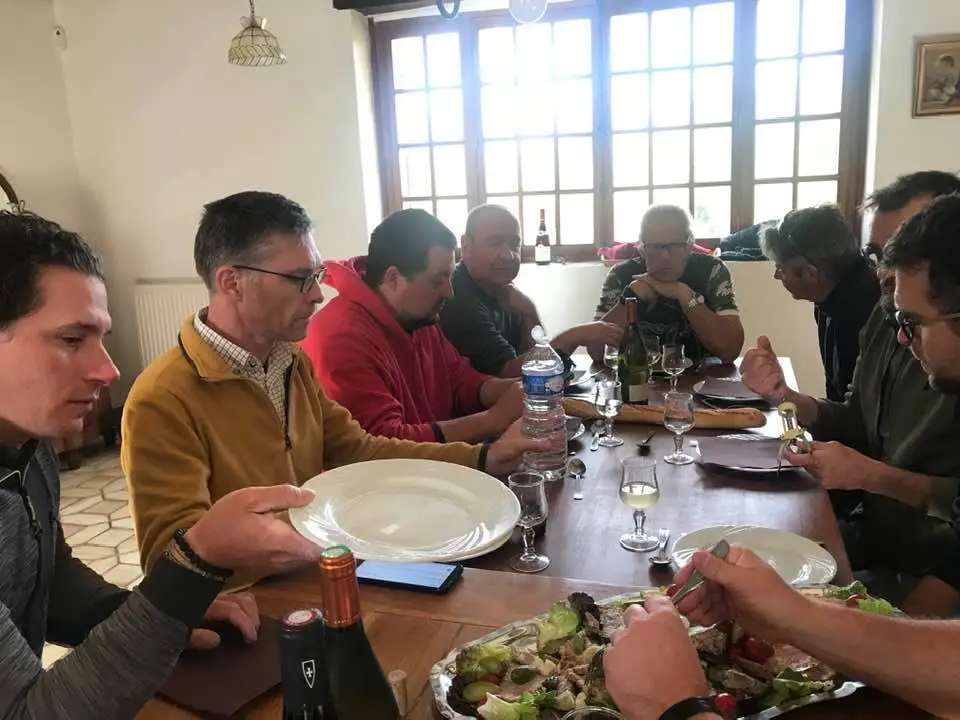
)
(726, 706)
(756, 650)
(854, 600)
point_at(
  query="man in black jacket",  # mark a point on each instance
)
(53, 318)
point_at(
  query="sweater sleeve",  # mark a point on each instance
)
(843, 421)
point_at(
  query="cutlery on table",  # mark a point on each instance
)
(643, 446)
(661, 557)
(597, 427)
(577, 469)
(696, 579)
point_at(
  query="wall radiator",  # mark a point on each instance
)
(161, 307)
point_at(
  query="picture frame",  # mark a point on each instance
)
(936, 88)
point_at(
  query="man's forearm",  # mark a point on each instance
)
(914, 660)
(910, 488)
(721, 334)
(493, 389)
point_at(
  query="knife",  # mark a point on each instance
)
(696, 579)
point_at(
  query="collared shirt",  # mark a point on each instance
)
(270, 375)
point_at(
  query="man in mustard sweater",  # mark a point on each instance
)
(236, 404)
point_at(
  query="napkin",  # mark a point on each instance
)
(734, 389)
(221, 681)
(746, 451)
(734, 418)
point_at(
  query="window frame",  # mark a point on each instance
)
(854, 110)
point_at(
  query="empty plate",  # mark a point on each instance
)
(743, 452)
(726, 391)
(408, 511)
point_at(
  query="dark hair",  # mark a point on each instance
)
(931, 239)
(906, 188)
(820, 236)
(235, 230)
(28, 244)
(403, 241)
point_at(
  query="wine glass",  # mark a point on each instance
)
(639, 490)
(678, 418)
(609, 400)
(674, 363)
(654, 351)
(528, 487)
(611, 358)
(592, 713)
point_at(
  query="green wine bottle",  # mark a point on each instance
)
(632, 363)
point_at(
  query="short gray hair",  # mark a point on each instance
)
(818, 236)
(477, 214)
(673, 214)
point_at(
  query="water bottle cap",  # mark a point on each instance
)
(539, 334)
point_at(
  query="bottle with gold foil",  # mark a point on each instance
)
(358, 685)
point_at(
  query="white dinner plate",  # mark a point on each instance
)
(799, 561)
(732, 397)
(408, 511)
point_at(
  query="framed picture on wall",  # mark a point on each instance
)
(936, 89)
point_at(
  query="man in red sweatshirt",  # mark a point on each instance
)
(379, 352)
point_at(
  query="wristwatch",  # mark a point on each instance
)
(694, 301)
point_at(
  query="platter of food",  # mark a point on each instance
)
(541, 668)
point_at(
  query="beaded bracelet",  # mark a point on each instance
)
(195, 560)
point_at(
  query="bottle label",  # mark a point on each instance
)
(543, 385)
(636, 393)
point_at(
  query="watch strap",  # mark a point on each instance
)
(689, 708)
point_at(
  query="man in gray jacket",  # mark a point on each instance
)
(53, 318)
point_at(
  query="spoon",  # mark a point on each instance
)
(576, 468)
(597, 427)
(661, 558)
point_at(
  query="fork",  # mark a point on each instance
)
(696, 579)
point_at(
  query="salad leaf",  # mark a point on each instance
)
(542, 698)
(562, 622)
(584, 605)
(879, 606)
(478, 660)
(842, 593)
(792, 685)
(496, 709)
(455, 698)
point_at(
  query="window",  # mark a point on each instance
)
(738, 110)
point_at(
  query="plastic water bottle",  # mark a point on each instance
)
(543, 415)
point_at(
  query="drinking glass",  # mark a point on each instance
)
(639, 490)
(674, 363)
(528, 487)
(609, 400)
(654, 351)
(678, 418)
(611, 358)
(592, 713)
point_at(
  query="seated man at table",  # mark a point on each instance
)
(378, 351)
(488, 319)
(53, 366)
(236, 403)
(685, 298)
(893, 446)
(818, 259)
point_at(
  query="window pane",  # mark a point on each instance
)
(450, 169)
(532, 205)
(497, 107)
(712, 154)
(453, 214)
(534, 50)
(535, 109)
(418, 205)
(574, 106)
(772, 202)
(821, 84)
(628, 209)
(816, 193)
(576, 219)
(713, 33)
(571, 47)
(497, 61)
(629, 42)
(510, 202)
(537, 165)
(672, 196)
(630, 101)
(671, 157)
(446, 115)
(819, 152)
(773, 152)
(500, 166)
(711, 212)
(631, 160)
(412, 118)
(415, 172)
(443, 59)
(670, 98)
(576, 163)
(713, 94)
(776, 89)
(407, 55)
(778, 28)
(670, 33)
(823, 25)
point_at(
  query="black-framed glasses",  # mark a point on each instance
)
(307, 282)
(908, 325)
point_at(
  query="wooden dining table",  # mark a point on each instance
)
(412, 631)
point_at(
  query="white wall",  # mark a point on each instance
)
(36, 149)
(162, 124)
(901, 143)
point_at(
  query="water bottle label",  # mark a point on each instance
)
(543, 385)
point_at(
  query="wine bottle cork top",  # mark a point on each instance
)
(337, 558)
(398, 683)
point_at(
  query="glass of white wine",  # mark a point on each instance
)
(654, 351)
(639, 489)
(674, 363)
(609, 400)
(528, 487)
(678, 418)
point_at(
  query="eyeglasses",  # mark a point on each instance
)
(672, 249)
(307, 282)
(908, 325)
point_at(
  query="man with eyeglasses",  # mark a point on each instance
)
(685, 298)
(236, 403)
(890, 447)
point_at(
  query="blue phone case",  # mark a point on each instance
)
(423, 577)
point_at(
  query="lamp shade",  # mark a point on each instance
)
(255, 46)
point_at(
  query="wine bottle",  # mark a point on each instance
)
(306, 694)
(632, 363)
(541, 249)
(357, 684)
